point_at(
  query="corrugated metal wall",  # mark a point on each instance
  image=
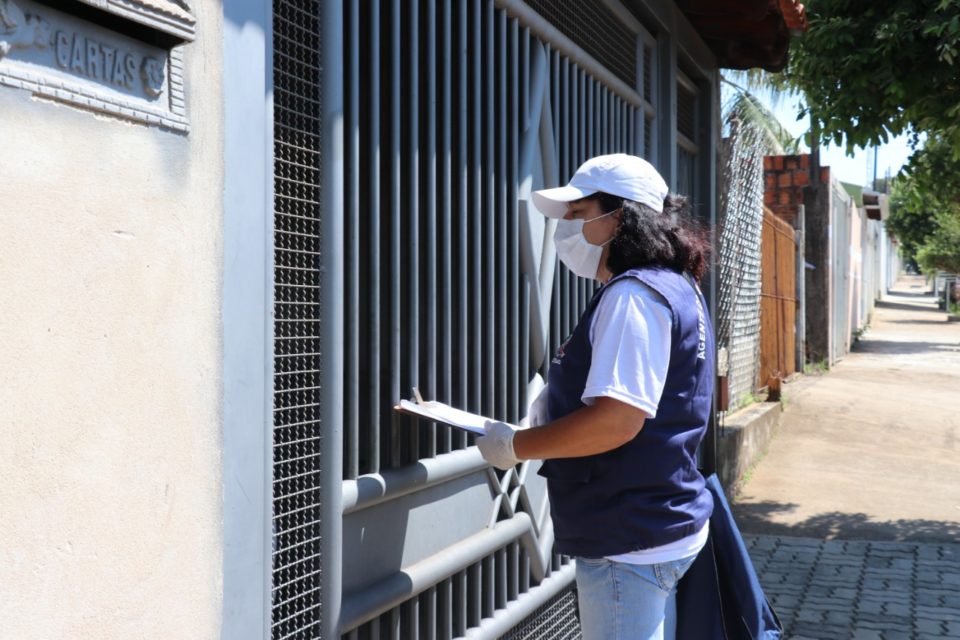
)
(453, 112)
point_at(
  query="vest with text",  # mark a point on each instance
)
(647, 492)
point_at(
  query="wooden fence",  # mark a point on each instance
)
(778, 300)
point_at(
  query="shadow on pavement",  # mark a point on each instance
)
(926, 293)
(923, 321)
(897, 347)
(834, 525)
(906, 306)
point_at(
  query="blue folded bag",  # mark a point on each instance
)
(720, 597)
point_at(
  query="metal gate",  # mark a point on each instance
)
(778, 300)
(452, 112)
(840, 272)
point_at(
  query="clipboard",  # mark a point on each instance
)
(444, 414)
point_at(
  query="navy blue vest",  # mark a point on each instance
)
(647, 492)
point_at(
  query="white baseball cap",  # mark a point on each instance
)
(617, 174)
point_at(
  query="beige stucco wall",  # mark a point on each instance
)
(110, 383)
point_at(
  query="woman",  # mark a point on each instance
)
(627, 401)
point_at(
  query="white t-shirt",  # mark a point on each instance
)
(631, 340)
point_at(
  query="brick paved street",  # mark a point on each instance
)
(861, 590)
(852, 517)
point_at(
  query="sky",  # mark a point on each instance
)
(857, 169)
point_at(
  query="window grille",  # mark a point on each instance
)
(594, 28)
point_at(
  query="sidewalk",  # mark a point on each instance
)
(853, 516)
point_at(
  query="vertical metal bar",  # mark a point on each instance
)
(430, 617)
(586, 120)
(524, 110)
(445, 219)
(557, 79)
(489, 601)
(395, 624)
(524, 356)
(501, 217)
(351, 364)
(563, 121)
(513, 571)
(667, 109)
(606, 121)
(489, 312)
(576, 118)
(476, 210)
(524, 572)
(460, 600)
(512, 310)
(623, 139)
(373, 240)
(430, 360)
(413, 212)
(501, 584)
(395, 327)
(413, 618)
(446, 609)
(610, 114)
(331, 282)
(474, 587)
(463, 292)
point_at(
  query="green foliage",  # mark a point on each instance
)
(816, 367)
(942, 249)
(745, 108)
(925, 207)
(872, 69)
(910, 221)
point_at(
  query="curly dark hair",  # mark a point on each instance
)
(671, 239)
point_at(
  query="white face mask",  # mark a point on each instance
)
(580, 256)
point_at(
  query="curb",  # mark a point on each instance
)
(746, 437)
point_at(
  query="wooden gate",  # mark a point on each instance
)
(778, 300)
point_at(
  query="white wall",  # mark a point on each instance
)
(110, 383)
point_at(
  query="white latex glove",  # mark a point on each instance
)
(497, 445)
(537, 414)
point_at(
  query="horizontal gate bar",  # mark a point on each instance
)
(371, 489)
(364, 605)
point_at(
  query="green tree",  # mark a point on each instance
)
(872, 69)
(925, 206)
(942, 248)
(911, 221)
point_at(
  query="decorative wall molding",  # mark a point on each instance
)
(69, 59)
(173, 17)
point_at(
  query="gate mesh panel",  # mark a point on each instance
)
(555, 620)
(295, 595)
(740, 225)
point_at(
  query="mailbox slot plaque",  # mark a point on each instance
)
(58, 55)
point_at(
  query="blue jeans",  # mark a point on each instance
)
(620, 601)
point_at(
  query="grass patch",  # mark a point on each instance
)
(817, 368)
